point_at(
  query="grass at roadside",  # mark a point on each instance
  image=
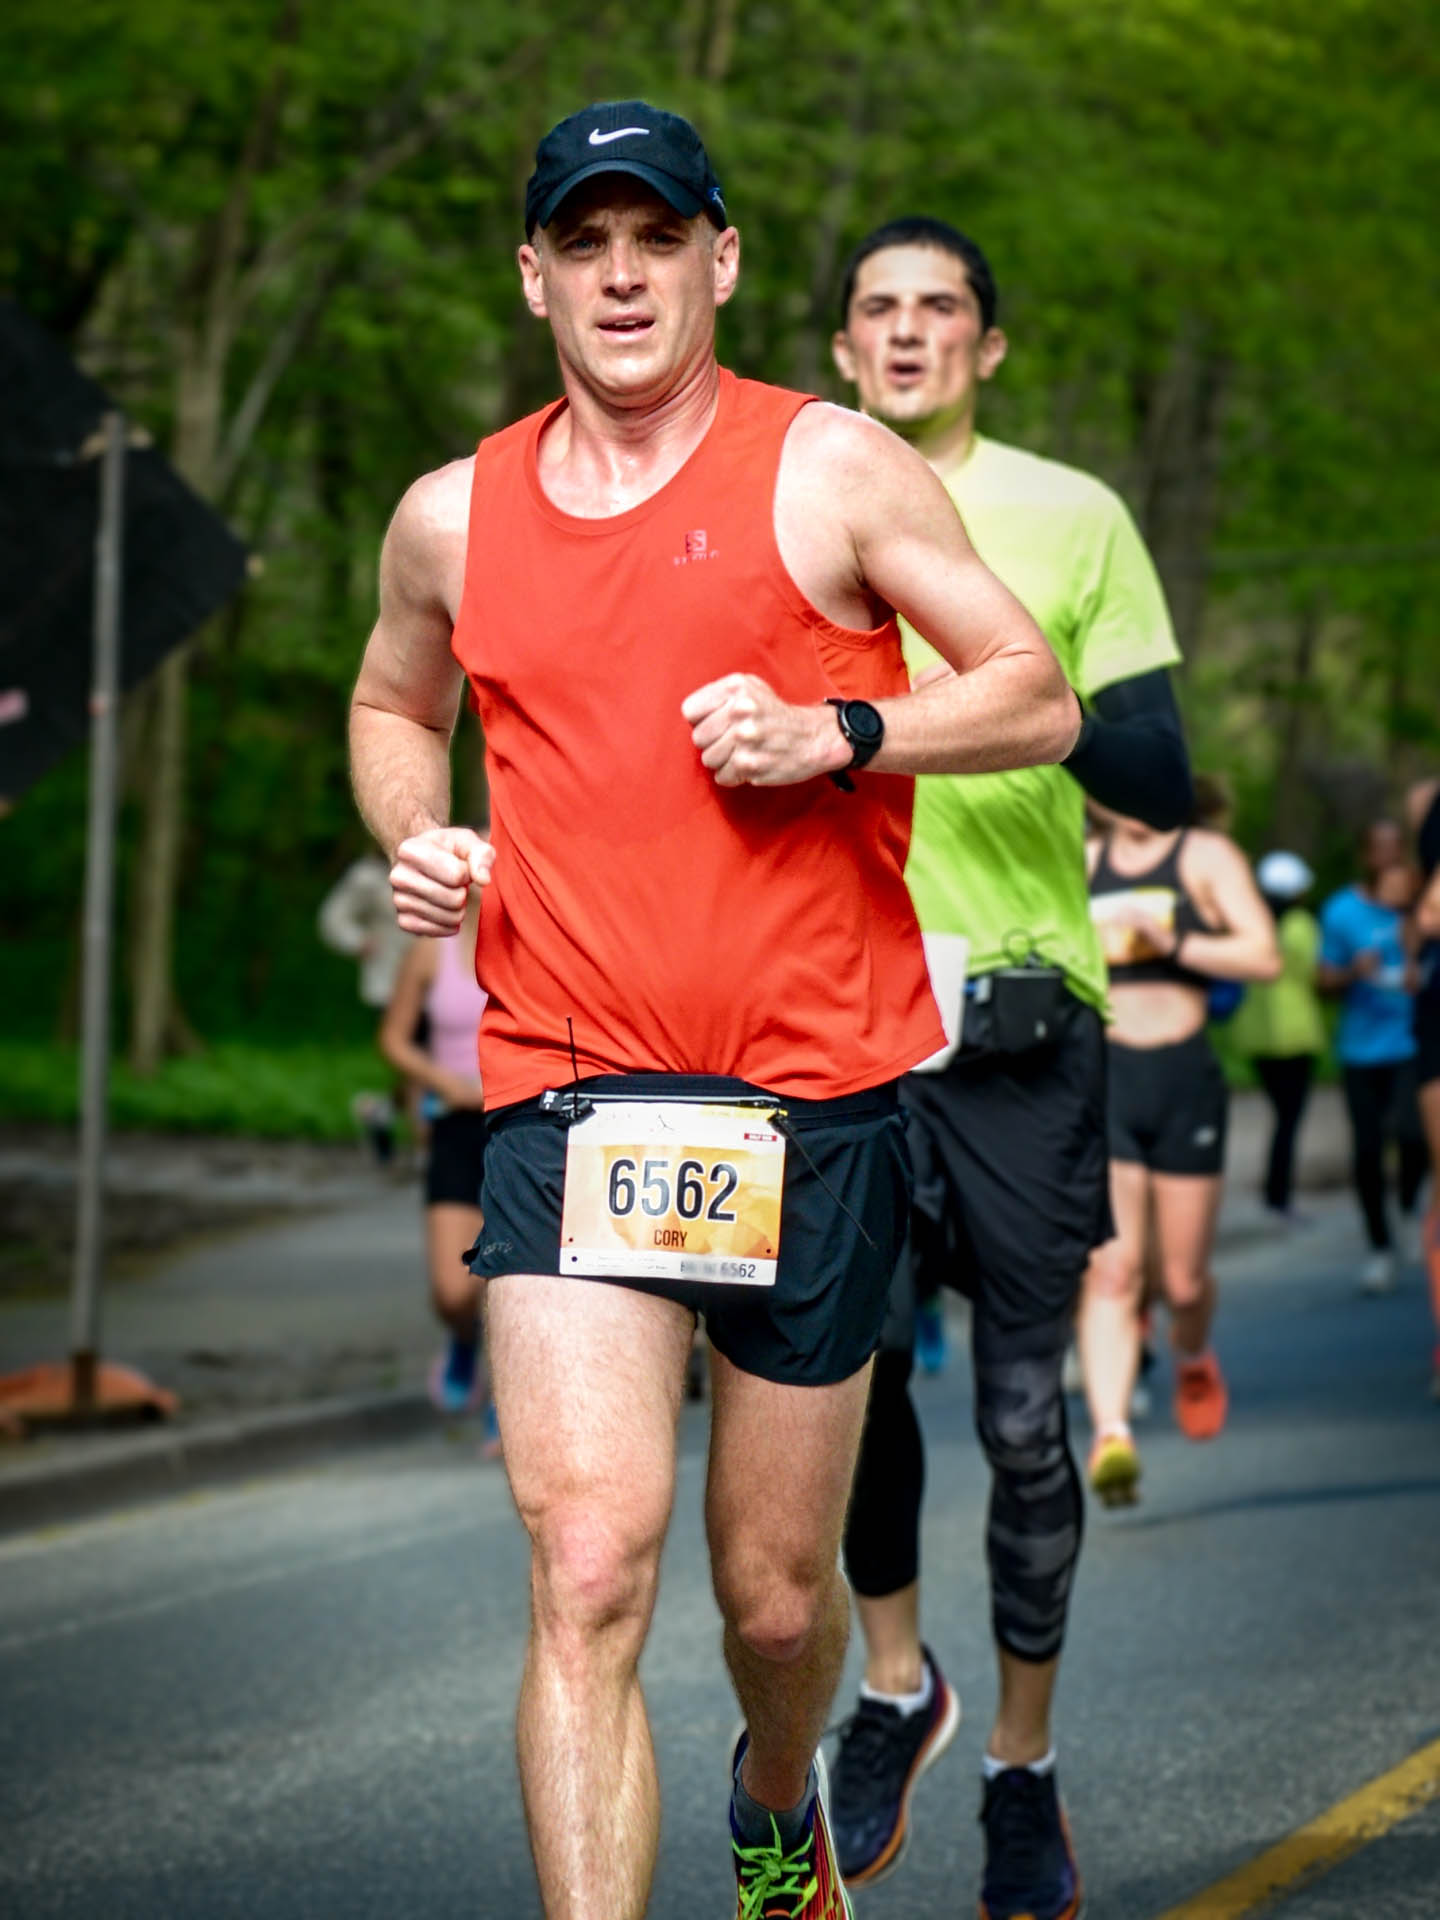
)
(278, 1091)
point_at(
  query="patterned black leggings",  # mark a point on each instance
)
(1037, 1508)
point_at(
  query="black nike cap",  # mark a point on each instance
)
(624, 136)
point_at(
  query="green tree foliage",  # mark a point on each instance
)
(282, 231)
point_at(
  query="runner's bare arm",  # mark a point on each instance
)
(403, 709)
(1427, 909)
(1215, 870)
(864, 526)
(1418, 803)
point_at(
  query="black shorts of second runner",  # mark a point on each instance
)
(455, 1169)
(842, 1225)
(1011, 1176)
(1168, 1107)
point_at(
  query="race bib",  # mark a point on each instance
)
(1122, 944)
(667, 1190)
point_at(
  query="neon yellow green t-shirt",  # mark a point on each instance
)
(999, 857)
(1282, 1018)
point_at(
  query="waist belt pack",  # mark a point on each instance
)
(1016, 1010)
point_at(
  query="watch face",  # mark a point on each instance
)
(863, 723)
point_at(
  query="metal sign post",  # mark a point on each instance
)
(65, 669)
(99, 902)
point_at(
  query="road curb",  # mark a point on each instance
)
(118, 1470)
(168, 1460)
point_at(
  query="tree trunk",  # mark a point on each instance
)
(157, 1025)
(722, 42)
(1289, 805)
(334, 478)
(811, 357)
(213, 303)
(1181, 411)
(154, 1023)
(1401, 624)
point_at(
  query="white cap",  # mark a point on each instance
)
(1284, 876)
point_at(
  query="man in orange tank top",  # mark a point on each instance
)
(674, 597)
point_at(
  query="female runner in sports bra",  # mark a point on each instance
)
(1176, 911)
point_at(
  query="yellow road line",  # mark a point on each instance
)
(1313, 1850)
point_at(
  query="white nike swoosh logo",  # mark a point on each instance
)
(598, 139)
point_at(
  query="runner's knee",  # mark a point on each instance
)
(775, 1604)
(1021, 1438)
(1185, 1283)
(592, 1570)
(1036, 1506)
(1114, 1274)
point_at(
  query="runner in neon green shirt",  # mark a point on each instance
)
(998, 857)
(1279, 1025)
(1008, 1132)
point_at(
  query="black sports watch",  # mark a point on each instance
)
(864, 731)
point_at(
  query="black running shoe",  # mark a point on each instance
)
(1030, 1870)
(882, 1753)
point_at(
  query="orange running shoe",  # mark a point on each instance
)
(1202, 1399)
(1114, 1470)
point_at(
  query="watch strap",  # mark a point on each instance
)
(862, 752)
(840, 777)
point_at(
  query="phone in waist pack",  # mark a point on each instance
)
(1021, 1008)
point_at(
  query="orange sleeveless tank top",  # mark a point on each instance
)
(681, 927)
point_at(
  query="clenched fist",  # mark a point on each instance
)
(432, 877)
(749, 737)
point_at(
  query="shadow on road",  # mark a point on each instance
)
(1280, 1498)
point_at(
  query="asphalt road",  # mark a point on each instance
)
(295, 1699)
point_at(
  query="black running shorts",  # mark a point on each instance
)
(1168, 1107)
(843, 1214)
(1011, 1186)
(455, 1167)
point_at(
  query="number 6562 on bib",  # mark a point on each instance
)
(669, 1190)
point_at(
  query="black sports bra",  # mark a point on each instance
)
(1160, 894)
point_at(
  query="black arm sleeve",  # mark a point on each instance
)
(1131, 753)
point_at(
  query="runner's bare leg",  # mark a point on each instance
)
(1021, 1733)
(1186, 1209)
(894, 1657)
(781, 1463)
(1108, 1324)
(588, 1381)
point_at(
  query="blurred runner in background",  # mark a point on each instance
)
(1423, 809)
(1279, 1026)
(437, 979)
(1008, 1130)
(357, 917)
(1175, 911)
(1363, 959)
